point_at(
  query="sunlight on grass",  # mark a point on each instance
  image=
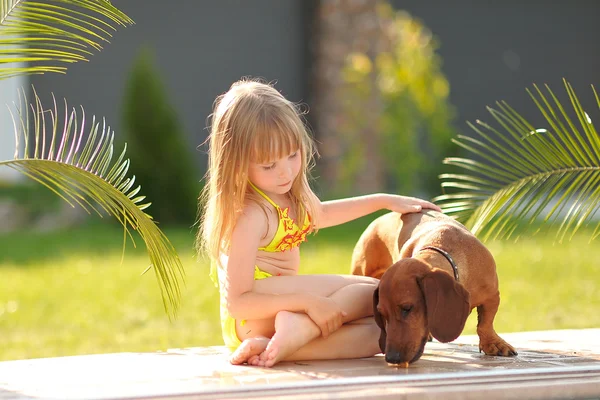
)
(66, 293)
(81, 300)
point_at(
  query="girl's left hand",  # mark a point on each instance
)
(406, 205)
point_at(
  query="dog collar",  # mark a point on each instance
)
(447, 256)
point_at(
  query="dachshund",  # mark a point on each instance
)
(432, 273)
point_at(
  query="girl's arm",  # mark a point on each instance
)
(243, 303)
(336, 212)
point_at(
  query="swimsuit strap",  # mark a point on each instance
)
(264, 195)
(288, 234)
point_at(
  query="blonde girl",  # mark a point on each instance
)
(258, 208)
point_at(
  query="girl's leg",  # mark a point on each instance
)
(357, 339)
(357, 304)
(322, 285)
(295, 330)
(353, 340)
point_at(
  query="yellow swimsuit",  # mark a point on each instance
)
(287, 236)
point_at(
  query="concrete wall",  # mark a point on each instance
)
(494, 49)
(200, 49)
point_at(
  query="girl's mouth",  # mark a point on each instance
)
(285, 184)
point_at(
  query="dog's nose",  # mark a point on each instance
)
(394, 357)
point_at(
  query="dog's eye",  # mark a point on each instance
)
(405, 310)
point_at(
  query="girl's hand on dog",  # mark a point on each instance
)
(406, 205)
(326, 313)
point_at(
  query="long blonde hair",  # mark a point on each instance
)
(252, 122)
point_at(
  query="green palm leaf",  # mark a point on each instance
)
(519, 174)
(74, 160)
(47, 35)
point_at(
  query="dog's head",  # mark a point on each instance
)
(412, 300)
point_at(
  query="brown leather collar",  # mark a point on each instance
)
(447, 256)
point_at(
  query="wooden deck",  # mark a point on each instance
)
(550, 365)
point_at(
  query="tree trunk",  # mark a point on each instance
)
(343, 27)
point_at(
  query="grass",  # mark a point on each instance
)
(67, 293)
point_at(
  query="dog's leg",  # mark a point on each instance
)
(489, 341)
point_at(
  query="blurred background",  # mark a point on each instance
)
(386, 85)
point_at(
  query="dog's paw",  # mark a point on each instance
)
(498, 348)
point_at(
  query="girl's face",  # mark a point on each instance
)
(276, 177)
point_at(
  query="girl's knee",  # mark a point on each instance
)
(371, 281)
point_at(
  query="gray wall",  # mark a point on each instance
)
(201, 47)
(494, 49)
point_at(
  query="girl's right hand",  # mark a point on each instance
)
(326, 313)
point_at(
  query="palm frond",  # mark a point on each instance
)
(74, 160)
(44, 36)
(521, 173)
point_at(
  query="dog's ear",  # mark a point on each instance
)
(447, 304)
(379, 320)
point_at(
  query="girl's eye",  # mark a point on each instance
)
(268, 167)
(294, 154)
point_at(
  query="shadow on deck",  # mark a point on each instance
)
(550, 365)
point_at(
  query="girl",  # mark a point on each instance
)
(258, 208)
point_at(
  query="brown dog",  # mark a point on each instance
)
(433, 272)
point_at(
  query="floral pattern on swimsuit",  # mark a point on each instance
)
(293, 235)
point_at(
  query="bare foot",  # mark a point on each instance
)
(249, 351)
(254, 360)
(291, 332)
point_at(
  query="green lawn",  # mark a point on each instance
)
(66, 293)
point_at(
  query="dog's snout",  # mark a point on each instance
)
(394, 357)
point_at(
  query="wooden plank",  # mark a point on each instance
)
(550, 364)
